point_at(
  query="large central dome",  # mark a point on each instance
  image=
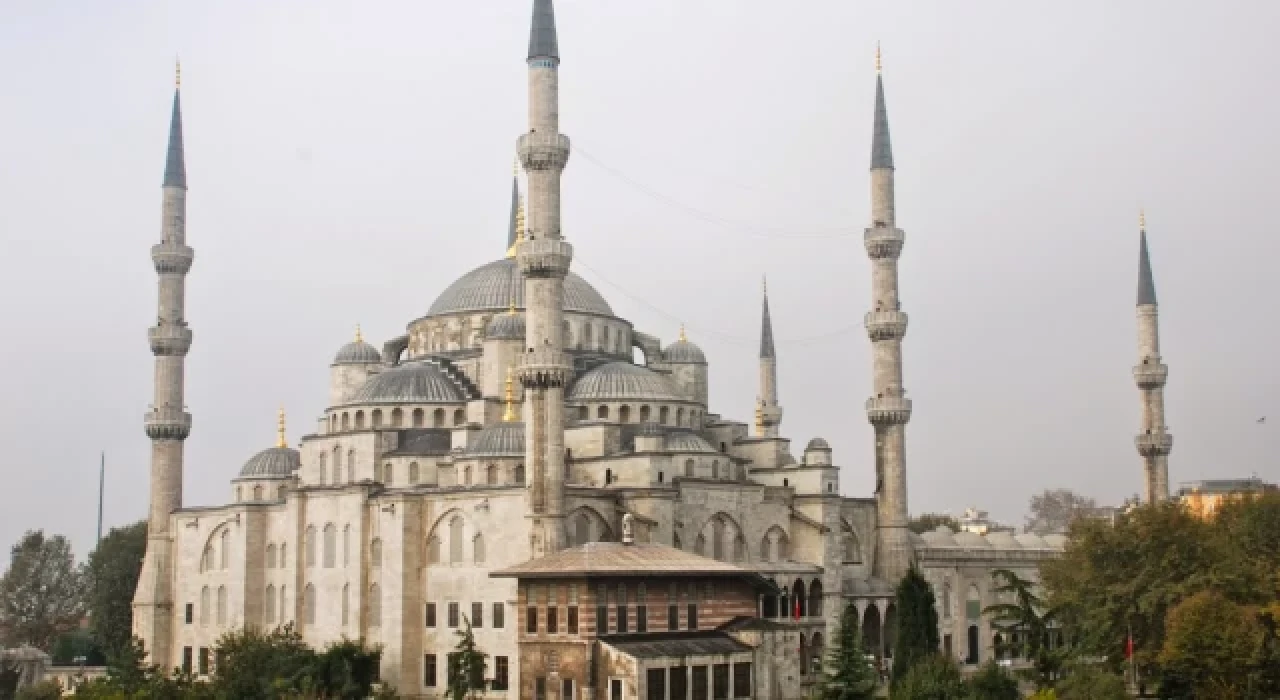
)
(492, 287)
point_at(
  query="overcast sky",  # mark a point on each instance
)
(347, 161)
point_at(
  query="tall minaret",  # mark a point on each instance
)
(544, 259)
(1154, 442)
(888, 409)
(769, 413)
(167, 424)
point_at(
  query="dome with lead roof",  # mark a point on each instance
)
(493, 286)
(500, 440)
(508, 326)
(622, 381)
(688, 442)
(817, 444)
(272, 463)
(357, 352)
(412, 382)
(682, 352)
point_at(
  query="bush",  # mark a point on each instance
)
(44, 690)
(934, 677)
(993, 683)
(1091, 683)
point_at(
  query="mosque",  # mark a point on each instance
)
(511, 422)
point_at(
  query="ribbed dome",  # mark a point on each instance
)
(415, 382)
(491, 287)
(616, 381)
(501, 440)
(688, 442)
(272, 463)
(357, 353)
(817, 444)
(506, 326)
(682, 352)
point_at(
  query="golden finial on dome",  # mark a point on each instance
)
(878, 65)
(683, 338)
(509, 416)
(1142, 219)
(359, 335)
(511, 305)
(280, 441)
(177, 73)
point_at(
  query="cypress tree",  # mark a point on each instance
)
(917, 623)
(849, 674)
(466, 665)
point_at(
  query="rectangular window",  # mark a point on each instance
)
(720, 682)
(429, 670)
(602, 618)
(615, 689)
(499, 673)
(673, 617)
(642, 618)
(679, 682)
(742, 680)
(699, 681)
(453, 614)
(540, 689)
(531, 620)
(477, 614)
(566, 689)
(186, 659)
(553, 620)
(202, 661)
(431, 614)
(692, 622)
(657, 682)
(622, 619)
(190, 612)
(499, 615)
(572, 619)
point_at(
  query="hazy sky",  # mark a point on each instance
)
(346, 161)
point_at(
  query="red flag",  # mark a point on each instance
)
(1128, 647)
(797, 609)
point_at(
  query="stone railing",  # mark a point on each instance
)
(888, 410)
(544, 257)
(883, 242)
(169, 339)
(1150, 376)
(885, 325)
(172, 258)
(1154, 444)
(543, 151)
(167, 424)
(544, 367)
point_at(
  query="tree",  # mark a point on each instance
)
(992, 683)
(934, 677)
(917, 623)
(42, 593)
(1212, 647)
(1054, 510)
(466, 665)
(1025, 624)
(112, 572)
(44, 690)
(930, 522)
(849, 675)
(1090, 683)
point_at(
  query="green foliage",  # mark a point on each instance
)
(1054, 510)
(992, 683)
(917, 623)
(1212, 647)
(934, 677)
(1025, 623)
(41, 593)
(929, 522)
(849, 675)
(44, 690)
(112, 571)
(466, 665)
(1044, 694)
(77, 647)
(1090, 683)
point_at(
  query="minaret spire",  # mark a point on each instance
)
(768, 412)
(544, 258)
(167, 423)
(1155, 442)
(516, 224)
(888, 409)
(281, 441)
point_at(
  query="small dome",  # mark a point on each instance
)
(688, 442)
(272, 463)
(941, 537)
(508, 326)
(1003, 540)
(971, 540)
(357, 352)
(500, 440)
(414, 382)
(616, 381)
(817, 444)
(682, 352)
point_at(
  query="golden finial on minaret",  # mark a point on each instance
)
(359, 335)
(683, 338)
(511, 305)
(1142, 219)
(878, 66)
(280, 441)
(509, 416)
(177, 73)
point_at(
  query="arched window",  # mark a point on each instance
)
(333, 423)
(675, 541)
(581, 529)
(459, 417)
(309, 605)
(310, 544)
(644, 414)
(397, 417)
(568, 334)
(346, 421)
(222, 605)
(346, 545)
(270, 604)
(852, 553)
(477, 548)
(519, 473)
(225, 546)
(280, 493)
(604, 338)
(700, 546)
(455, 539)
(491, 474)
(377, 417)
(387, 474)
(717, 539)
(466, 475)
(346, 604)
(602, 413)
(351, 461)
(739, 548)
(375, 606)
(664, 414)
(324, 465)
(815, 598)
(284, 556)
(238, 499)
(419, 418)
(271, 556)
(586, 336)
(624, 414)
(257, 492)
(330, 545)
(437, 418)
(375, 553)
(608, 477)
(204, 605)
(433, 550)
(359, 420)
(679, 416)
(715, 469)
(284, 606)
(688, 467)
(946, 600)
(413, 473)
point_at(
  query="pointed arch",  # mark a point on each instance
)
(773, 546)
(477, 548)
(586, 524)
(224, 549)
(375, 606)
(850, 548)
(270, 604)
(309, 604)
(330, 545)
(419, 418)
(309, 543)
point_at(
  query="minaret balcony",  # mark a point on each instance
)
(883, 242)
(1155, 444)
(888, 410)
(543, 368)
(1151, 375)
(544, 257)
(885, 325)
(167, 424)
(169, 340)
(543, 151)
(172, 258)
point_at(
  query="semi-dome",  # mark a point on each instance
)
(688, 442)
(501, 440)
(940, 537)
(623, 381)
(414, 382)
(493, 286)
(1031, 540)
(272, 463)
(357, 352)
(1003, 540)
(508, 326)
(817, 444)
(682, 352)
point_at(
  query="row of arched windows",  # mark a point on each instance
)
(728, 470)
(644, 414)
(458, 545)
(328, 547)
(258, 493)
(722, 540)
(337, 472)
(348, 420)
(220, 613)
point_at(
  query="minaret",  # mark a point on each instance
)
(544, 259)
(1154, 442)
(888, 409)
(167, 424)
(515, 231)
(768, 412)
